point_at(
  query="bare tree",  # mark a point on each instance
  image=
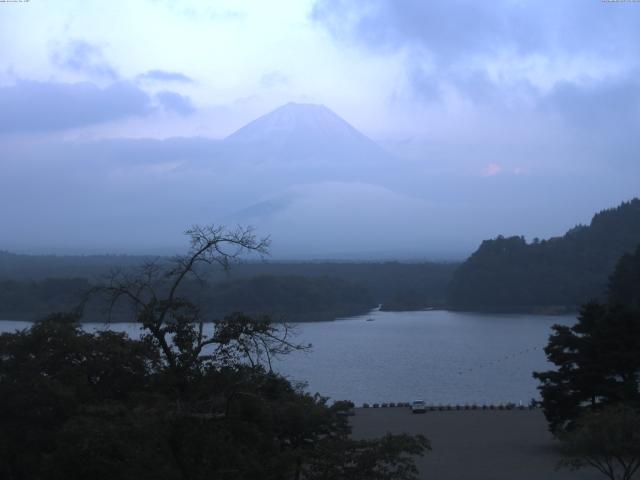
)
(175, 323)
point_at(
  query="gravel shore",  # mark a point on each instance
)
(475, 444)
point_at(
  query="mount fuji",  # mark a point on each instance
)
(303, 132)
(300, 173)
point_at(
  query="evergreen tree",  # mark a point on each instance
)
(597, 359)
(554, 274)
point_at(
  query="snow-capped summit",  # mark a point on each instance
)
(295, 120)
(298, 131)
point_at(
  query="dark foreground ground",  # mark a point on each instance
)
(475, 444)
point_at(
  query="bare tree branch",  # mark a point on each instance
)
(175, 324)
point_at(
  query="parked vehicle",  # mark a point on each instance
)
(418, 406)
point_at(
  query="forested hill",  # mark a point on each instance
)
(509, 274)
(32, 286)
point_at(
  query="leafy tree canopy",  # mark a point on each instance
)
(607, 440)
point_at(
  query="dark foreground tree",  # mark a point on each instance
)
(189, 400)
(391, 456)
(598, 362)
(597, 359)
(607, 440)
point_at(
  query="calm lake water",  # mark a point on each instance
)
(439, 356)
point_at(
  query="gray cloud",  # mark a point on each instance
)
(44, 106)
(165, 76)
(564, 70)
(455, 43)
(175, 102)
(458, 28)
(82, 57)
(602, 117)
(603, 105)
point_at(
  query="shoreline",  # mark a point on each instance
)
(306, 317)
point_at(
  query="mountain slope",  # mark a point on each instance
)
(510, 274)
(296, 119)
(301, 131)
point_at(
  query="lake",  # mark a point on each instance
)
(440, 356)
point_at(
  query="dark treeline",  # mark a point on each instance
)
(31, 286)
(504, 274)
(33, 299)
(287, 297)
(549, 275)
(41, 267)
(395, 285)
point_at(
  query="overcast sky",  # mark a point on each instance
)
(392, 68)
(505, 88)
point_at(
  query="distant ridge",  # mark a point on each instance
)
(552, 275)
